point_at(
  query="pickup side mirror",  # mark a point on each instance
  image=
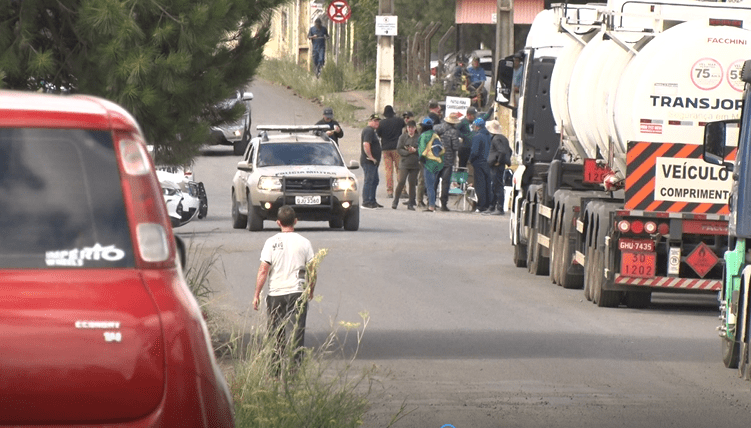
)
(244, 166)
(353, 164)
(247, 96)
(715, 138)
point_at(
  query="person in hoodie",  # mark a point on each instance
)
(389, 130)
(478, 157)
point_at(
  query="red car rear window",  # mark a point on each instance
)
(61, 203)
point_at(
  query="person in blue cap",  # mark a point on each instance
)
(478, 157)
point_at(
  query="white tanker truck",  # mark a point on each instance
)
(611, 194)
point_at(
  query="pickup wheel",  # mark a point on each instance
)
(352, 218)
(255, 221)
(336, 223)
(239, 221)
(238, 147)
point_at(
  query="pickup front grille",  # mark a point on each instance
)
(307, 184)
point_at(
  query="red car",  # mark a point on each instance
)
(97, 324)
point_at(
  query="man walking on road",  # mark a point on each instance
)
(318, 35)
(370, 158)
(284, 259)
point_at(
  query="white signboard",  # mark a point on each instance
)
(457, 104)
(691, 180)
(385, 25)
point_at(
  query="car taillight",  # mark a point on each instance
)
(145, 205)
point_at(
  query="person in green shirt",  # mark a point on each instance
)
(432, 165)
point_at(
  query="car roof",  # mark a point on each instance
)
(39, 110)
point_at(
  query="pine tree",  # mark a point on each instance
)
(166, 61)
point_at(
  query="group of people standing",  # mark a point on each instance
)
(421, 164)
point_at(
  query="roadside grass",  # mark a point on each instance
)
(322, 387)
(343, 77)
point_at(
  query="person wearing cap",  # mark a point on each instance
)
(389, 130)
(335, 131)
(434, 112)
(318, 35)
(370, 157)
(499, 158)
(431, 166)
(478, 157)
(409, 165)
(477, 77)
(452, 142)
(407, 116)
(465, 129)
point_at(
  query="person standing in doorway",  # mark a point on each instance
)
(318, 35)
(389, 130)
(370, 158)
(284, 260)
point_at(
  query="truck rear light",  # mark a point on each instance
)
(650, 227)
(637, 226)
(147, 213)
(663, 228)
(624, 226)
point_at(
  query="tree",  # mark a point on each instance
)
(168, 62)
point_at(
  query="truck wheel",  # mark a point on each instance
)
(239, 221)
(569, 280)
(554, 256)
(255, 221)
(588, 276)
(638, 299)
(520, 255)
(730, 352)
(352, 218)
(535, 264)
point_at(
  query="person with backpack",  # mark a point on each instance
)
(498, 159)
(452, 142)
(431, 152)
(478, 157)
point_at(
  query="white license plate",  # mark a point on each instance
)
(307, 200)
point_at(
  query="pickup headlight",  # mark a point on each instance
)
(344, 184)
(270, 183)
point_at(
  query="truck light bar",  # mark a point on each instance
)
(292, 128)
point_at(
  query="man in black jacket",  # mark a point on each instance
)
(335, 131)
(499, 158)
(389, 130)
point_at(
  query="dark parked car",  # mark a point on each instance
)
(97, 324)
(237, 133)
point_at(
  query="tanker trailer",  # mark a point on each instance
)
(626, 207)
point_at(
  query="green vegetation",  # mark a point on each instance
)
(168, 62)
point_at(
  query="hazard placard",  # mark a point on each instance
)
(702, 259)
(339, 11)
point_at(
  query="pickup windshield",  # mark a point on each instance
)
(274, 154)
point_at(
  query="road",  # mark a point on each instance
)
(463, 337)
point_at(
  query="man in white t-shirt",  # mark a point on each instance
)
(283, 262)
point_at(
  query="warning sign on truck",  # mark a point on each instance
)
(691, 180)
(673, 177)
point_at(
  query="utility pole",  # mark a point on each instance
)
(504, 30)
(384, 90)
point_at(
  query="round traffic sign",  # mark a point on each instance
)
(339, 11)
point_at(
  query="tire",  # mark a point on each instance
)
(239, 221)
(569, 281)
(255, 221)
(731, 348)
(520, 255)
(203, 209)
(336, 223)
(555, 256)
(535, 264)
(352, 218)
(605, 298)
(638, 299)
(238, 147)
(588, 276)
